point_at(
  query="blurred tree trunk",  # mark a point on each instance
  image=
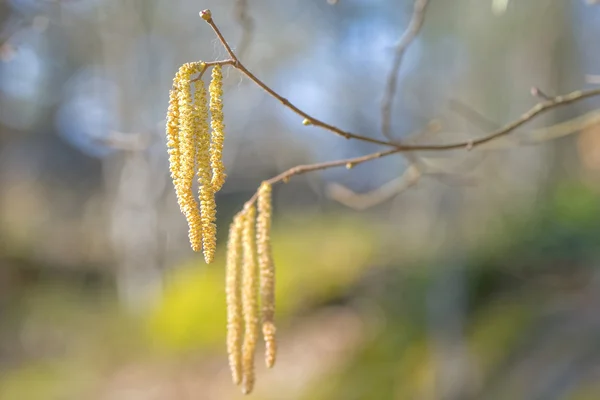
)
(134, 179)
(536, 40)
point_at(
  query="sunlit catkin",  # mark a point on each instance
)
(208, 207)
(233, 285)
(185, 178)
(218, 135)
(249, 298)
(173, 133)
(267, 272)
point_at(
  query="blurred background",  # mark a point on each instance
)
(479, 281)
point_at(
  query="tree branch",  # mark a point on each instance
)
(548, 104)
(302, 169)
(309, 120)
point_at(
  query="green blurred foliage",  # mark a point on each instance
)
(318, 261)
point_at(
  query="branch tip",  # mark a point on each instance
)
(206, 15)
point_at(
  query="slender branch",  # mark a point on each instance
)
(526, 117)
(467, 145)
(416, 23)
(206, 15)
(414, 26)
(208, 64)
(302, 169)
(553, 132)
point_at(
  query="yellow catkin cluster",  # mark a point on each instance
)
(218, 128)
(180, 125)
(250, 280)
(249, 299)
(191, 150)
(267, 272)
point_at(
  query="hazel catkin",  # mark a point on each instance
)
(267, 272)
(195, 148)
(233, 284)
(249, 298)
(218, 127)
(185, 177)
(173, 133)
(208, 208)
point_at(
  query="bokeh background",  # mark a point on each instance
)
(478, 282)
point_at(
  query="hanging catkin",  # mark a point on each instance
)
(249, 298)
(182, 158)
(173, 132)
(195, 148)
(233, 285)
(267, 272)
(218, 128)
(208, 207)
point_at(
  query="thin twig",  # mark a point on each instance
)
(553, 132)
(208, 64)
(538, 109)
(311, 120)
(414, 26)
(467, 145)
(302, 169)
(527, 116)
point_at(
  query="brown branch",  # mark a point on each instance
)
(553, 132)
(467, 145)
(420, 5)
(206, 15)
(208, 64)
(414, 26)
(302, 169)
(508, 128)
